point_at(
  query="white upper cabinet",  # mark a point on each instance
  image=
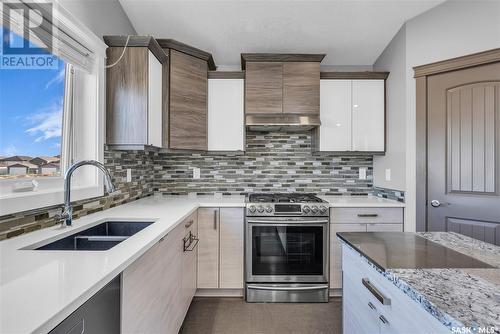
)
(154, 101)
(368, 115)
(352, 115)
(226, 127)
(335, 111)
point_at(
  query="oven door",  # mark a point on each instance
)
(287, 251)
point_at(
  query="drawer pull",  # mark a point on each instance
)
(189, 223)
(384, 320)
(374, 291)
(372, 306)
(367, 215)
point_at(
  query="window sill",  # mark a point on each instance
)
(25, 201)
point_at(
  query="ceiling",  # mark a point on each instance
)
(350, 32)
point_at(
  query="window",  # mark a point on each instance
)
(51, 105)
(31, 119)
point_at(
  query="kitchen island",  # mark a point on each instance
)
(432, 282)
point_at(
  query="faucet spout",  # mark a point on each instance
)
(66, 216)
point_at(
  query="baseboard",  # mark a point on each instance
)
(219, 293)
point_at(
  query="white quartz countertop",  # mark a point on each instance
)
(40, 288)
(361, 202)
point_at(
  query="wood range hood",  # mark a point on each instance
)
(281, 91)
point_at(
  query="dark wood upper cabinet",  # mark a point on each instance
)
(281, 84)
(188, 102)
(301, 88)
(127, 92)
(134, 108)
(264, 88)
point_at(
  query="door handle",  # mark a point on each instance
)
(435, 203)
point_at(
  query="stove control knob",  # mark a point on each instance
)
(314, 209)
(322, 209)
(306, 209)
(252, 208)
(269, 209)
(260, 208)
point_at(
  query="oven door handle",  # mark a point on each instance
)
(290, 288)
(288, 222)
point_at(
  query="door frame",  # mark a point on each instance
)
(421, 75)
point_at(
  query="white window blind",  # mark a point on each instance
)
(50, 25)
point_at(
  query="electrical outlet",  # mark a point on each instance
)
(196, 173)
(362, 173)
(129, 175)
(388, 174)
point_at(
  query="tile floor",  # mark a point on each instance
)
(233, 315)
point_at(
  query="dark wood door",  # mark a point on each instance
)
(463, 152)
(301, 88)
(188, 102)
(264, 88)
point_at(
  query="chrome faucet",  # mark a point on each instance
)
(66, 215)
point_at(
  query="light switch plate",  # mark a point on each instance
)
(129, 175)
(196, 173)
(388, 174)
(362, 173)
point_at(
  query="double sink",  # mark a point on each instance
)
(98, 237)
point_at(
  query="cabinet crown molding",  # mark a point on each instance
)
(354, 75)
(137, 41)
(280, 57)
(187, 49)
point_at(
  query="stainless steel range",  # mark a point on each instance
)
(286, 248)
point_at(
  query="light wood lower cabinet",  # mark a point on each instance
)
(189, 260)
(208, 248)
(220, 250)
(336, 251)
(231, 248)
(158, 287)
(358, 220)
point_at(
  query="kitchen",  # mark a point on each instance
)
(255, 167)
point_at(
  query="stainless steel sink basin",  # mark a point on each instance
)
(99, 237)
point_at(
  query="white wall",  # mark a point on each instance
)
(452, 29)
(393, 60)
(103, 17)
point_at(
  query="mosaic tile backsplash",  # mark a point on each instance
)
(272, 162)
(141, 163)
(396, 195)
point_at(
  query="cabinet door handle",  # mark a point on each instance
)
(384, 320)
(375, 292)
(367, 215)
(372, 306)
(215, 219)
(189, 223)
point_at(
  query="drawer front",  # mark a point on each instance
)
(366, 215)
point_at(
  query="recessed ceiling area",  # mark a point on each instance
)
(351, 33)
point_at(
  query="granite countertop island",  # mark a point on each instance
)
(453, 277)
